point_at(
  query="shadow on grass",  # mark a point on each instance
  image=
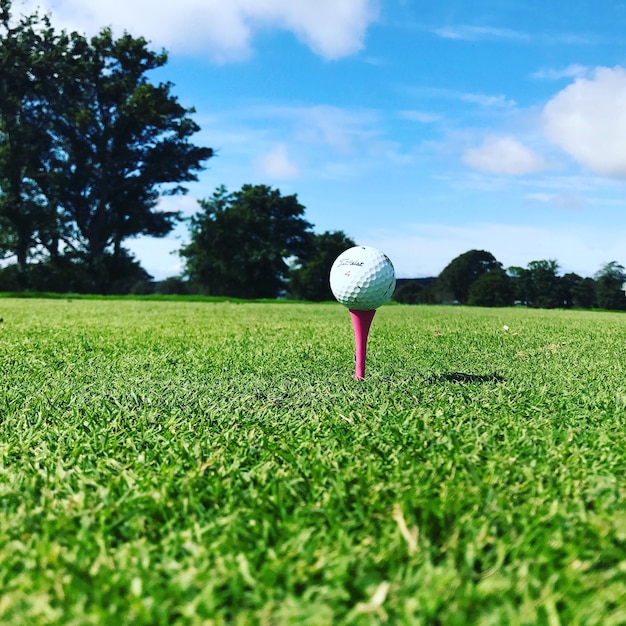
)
(462, 377)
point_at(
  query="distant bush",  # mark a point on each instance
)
(142, 288)
(419, 291)
(11, 278)
(173, 286)
(491, 289)
(409, 293)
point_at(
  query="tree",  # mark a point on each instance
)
(87, 146)
(123, 142)
(240, 242)
(577, 291)
(609, 286)
(458, 276)
(309, 278)
(539, 285)
(172, 286)
(521, 284)
(584, 294)
(416, 291)
(31, 67)
(546, 292)
(408, 293)
(491, 289)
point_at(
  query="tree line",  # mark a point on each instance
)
(476, 278)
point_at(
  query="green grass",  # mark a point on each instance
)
(215, 463)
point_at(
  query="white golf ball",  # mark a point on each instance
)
(362, 278)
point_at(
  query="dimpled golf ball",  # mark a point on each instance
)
(362, 278)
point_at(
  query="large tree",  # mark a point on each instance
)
(491, 289)
(124, 142)
(610, 283)
(457, 277)
(309, 278)
(546, 288)
(539, 285)
(88, 145)
(240, 242)
(578, 292)
(31, 68)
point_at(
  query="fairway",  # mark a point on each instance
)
(215, 463)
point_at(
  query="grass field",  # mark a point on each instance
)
(216, 463)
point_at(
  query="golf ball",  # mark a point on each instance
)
(362, 278)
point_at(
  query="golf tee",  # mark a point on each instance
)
(361, 322)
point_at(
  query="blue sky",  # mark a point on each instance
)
(423, 128)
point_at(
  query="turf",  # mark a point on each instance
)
(216, 463)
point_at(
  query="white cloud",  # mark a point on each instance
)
(475, 33)
(186, 204)
(277, 164)
(331, 28)
(223, 29)
(329, 142)
(566, 200)
(342, 129)
(480, 99)
(571, 71)
(487, 101)
(587, 120)
(423, 117)
(503, 155)
(338, 132)
(468, 32)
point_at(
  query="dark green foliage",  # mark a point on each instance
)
(31, 67)
(546, 289)
(87, 145)
(239, 242)
(457, 277)
(409, 293)
(578, 292)
(539, 285)
(110, 274)
(584, 294)
(173, 286)
(60, 276)
(142, 288)
(309, 279)
(522, 285)
(491, 289)
(125, 141)
(11, 279)
(609, 287)
(418, 291)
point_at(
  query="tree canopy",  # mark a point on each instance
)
(124, 143)
(457, 277)
(491, 289)
(610, 281)
(240, 242)
(29, 65)
(309, 277)
(88, 145)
